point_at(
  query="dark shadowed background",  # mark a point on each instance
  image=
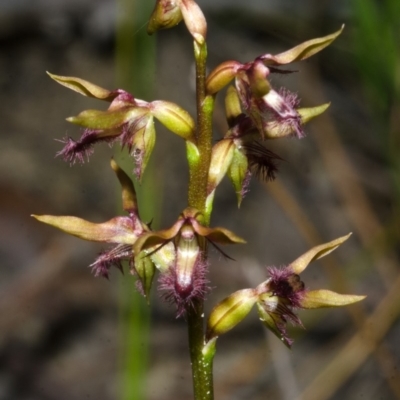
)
(60, 328)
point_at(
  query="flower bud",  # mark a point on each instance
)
(194, 20)
(166, 14)
(230, 311)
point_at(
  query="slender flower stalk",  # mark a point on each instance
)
(201, 368)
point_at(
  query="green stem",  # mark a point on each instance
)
(205, 108)
(202, 367)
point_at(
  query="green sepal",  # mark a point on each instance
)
(83, 87)
(116, 230)
(129, 200)
(143, 142)
(301, 263)
(232, 105)
(217, 235)
(229, 312)
(271, 322)
(107, 120)
(145, 270)
(221, 158)
(150, 240)
(302, 51)
(309, 113)
(326, 298)
(237, 173)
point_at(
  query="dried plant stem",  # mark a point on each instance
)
(201, 365)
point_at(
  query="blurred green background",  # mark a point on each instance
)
(65, 334)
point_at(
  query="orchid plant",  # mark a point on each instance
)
(256, 112)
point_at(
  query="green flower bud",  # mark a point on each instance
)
(194, 20)
(166, 14)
